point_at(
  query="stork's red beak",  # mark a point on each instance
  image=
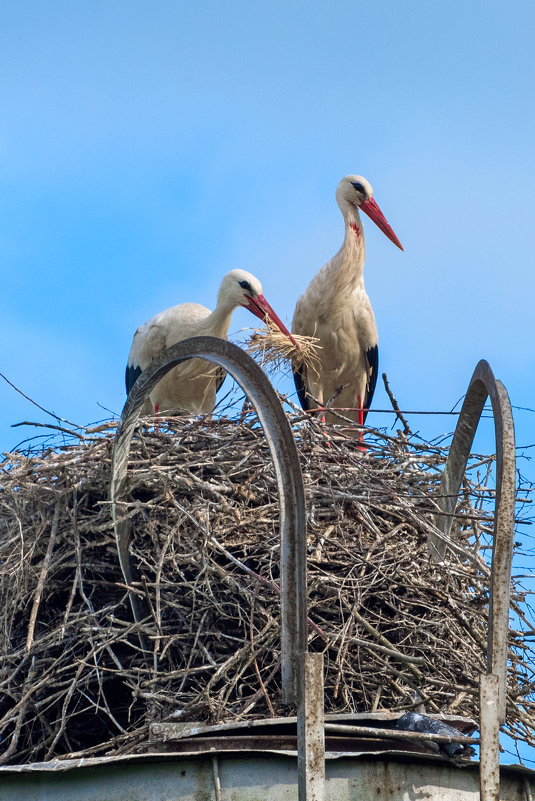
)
(373, 211)
(261, 308)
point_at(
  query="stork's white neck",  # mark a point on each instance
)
(354, 237)
(343, 274)
(217, 323)
(349, 261)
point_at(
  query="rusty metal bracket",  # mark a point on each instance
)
(489, 737)
(482, 385)
(311, 731)
(283, 451)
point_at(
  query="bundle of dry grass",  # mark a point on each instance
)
(271, 349)
(395, 628)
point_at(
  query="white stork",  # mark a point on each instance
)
(192, 386)
(336, 309)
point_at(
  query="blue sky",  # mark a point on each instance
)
(148, 148)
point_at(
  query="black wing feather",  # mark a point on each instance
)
(372, 355)
(131, 376)
(304, 400)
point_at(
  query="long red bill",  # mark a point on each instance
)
(261, 308)
(373, 211)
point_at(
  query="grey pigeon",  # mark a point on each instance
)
(413, 721)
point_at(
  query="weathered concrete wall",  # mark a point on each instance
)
(258, 777)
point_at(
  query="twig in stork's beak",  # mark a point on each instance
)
(373, 211)
(261, 308)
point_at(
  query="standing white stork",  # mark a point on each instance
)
(336, 309)
(192, 385)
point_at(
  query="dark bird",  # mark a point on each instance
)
(414, 721)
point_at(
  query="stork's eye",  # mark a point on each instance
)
(246, 285)
(358, 186)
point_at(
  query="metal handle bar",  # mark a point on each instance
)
(283, 451)
(482, 385)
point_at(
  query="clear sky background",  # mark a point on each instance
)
(148, 148)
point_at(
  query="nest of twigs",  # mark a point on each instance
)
(396, 629)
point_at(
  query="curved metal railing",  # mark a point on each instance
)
(283, 451)
(493, 684)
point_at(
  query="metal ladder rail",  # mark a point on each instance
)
(483, 384)
(299, 669)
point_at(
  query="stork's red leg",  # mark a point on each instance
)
(361, 410)
(360, 436)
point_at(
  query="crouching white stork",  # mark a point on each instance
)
(336, 309)
(192, 385)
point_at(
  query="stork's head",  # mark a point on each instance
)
(356, 192)
(240, 288)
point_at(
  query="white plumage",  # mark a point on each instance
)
(336, 309)
(192, 386)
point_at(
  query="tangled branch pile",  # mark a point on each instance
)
(395, 628)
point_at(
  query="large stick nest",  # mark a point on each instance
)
(396, 629)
